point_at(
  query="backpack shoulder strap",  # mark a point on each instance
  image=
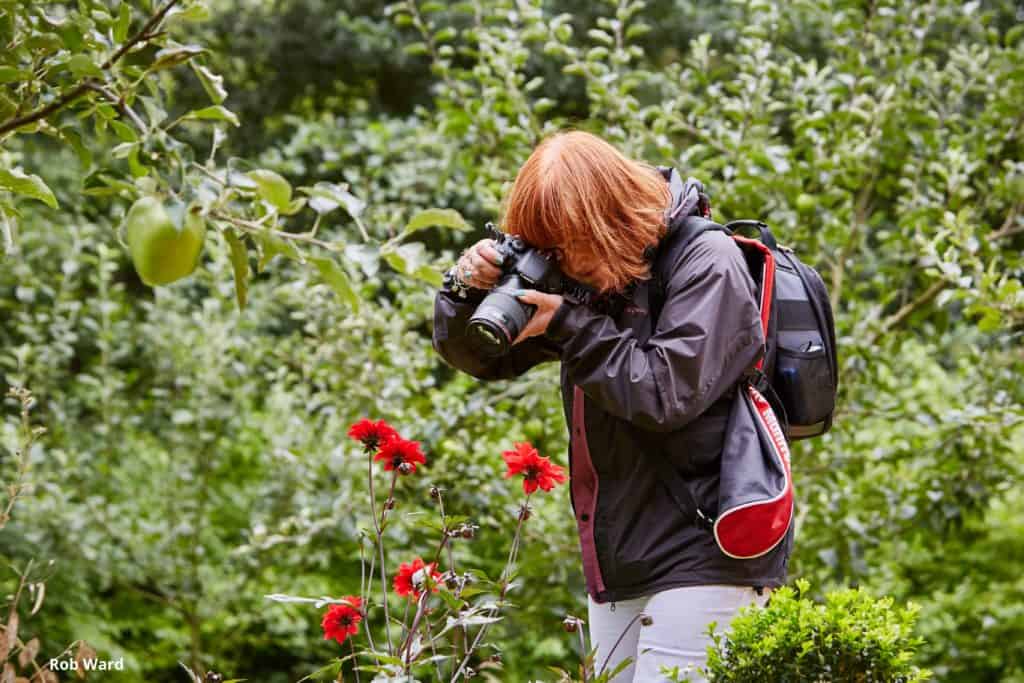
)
(671, 249)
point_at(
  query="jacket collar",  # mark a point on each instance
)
(686, 201)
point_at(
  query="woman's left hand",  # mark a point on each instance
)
(546, 305)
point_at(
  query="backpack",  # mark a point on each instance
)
(798, 373)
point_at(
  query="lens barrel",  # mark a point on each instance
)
(498, 320)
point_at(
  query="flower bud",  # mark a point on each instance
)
(524, 513)
(389, 504)
(435, 492)
(467, 531)
(405, 468)
(570, 623)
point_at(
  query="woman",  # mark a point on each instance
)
(632, 388)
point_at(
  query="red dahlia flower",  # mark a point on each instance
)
(410, 577)
(342, 621)
(371, 433)
(397, 451)
(537, 471)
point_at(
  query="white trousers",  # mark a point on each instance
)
(677, 635)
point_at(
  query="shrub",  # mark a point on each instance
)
(851, 637)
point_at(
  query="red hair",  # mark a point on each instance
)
(577, 189)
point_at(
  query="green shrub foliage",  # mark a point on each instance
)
(852, 637)
(195, 456)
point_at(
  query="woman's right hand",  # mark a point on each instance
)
(483, 263)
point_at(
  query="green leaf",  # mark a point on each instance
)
(195, 13)
(326, 197)
(446, 218)
(334, 276)
(73, 138)
(294, 206)
(10, 74)
(271, 245)
(44, 42)
(82, 66)
(123, 131)
(212, 83)
(429, 275)
(272, 187)
(174, 55)
(123, 23)
(215, 113)
(239, 265)
(17, 181)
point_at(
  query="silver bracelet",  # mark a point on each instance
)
(456, 283)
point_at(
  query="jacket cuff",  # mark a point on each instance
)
(473, 295)
(565, 322)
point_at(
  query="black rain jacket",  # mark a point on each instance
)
(631, 393)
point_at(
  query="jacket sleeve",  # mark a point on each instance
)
(708, 334)
(452, 313)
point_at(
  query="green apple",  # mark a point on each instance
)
(161, 251)
(806, 202)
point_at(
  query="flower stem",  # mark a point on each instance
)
(363, 593)
(621, 636)
(383, 572)
(506, 572)
(403, 652)
(583, 650)
(390, 499)
(433, 650)
(355, 661)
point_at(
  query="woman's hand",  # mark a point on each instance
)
(480, 265)
(546, 305)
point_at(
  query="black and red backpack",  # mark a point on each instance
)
(799, 370)
(796, 379)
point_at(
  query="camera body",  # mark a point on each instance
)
(501, 316)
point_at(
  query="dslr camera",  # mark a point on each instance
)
(501, 317)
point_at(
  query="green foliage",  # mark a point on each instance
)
(196, 458)
(851, 637)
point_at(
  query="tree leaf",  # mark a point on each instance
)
(82, 66)
(18, 182)
(272, 187)
(326, 197)
(446, 218)
(10, 74)
(174, 55)
(334, 276)
(271, 245)
(212, 83)
(215, 113)
(240, 266)
(195, 13)
(123, 23)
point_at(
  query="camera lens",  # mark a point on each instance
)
(497, 321)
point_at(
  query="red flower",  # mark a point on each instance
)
(537, 471)
(397, 451)
(410, 577)
(371, 433)
(342, 621)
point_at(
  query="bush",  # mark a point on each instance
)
(851, 637)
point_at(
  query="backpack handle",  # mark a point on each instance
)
(767, 238)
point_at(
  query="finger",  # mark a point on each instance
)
(538, 298)
(490, 254)
(483, 269)
(530, 330)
